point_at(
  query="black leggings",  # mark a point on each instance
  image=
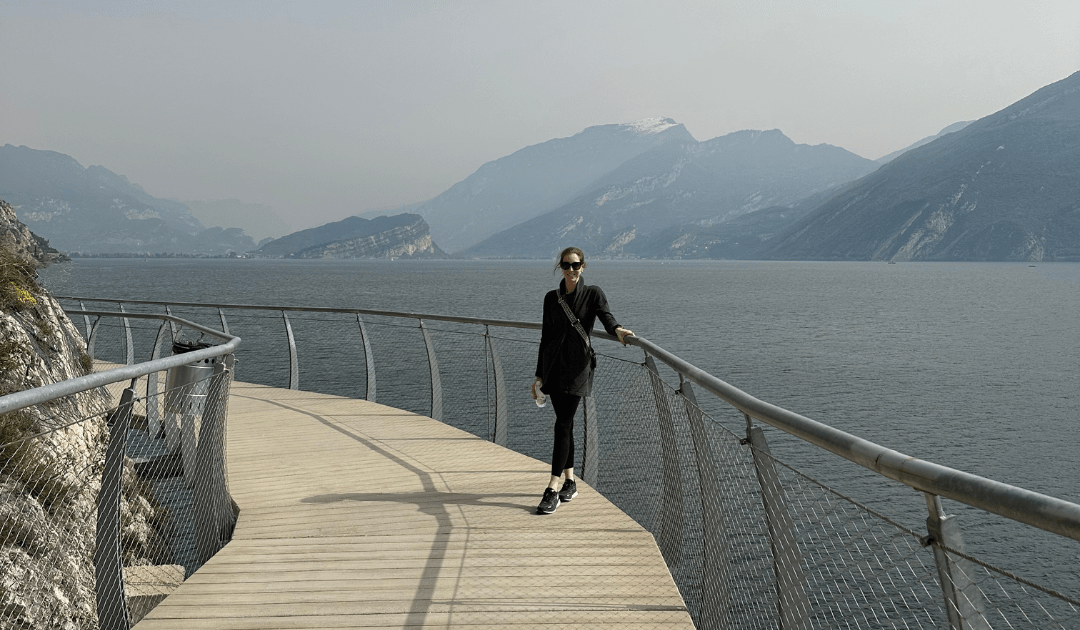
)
(562, 455)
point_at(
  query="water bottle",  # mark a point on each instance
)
(541, 399)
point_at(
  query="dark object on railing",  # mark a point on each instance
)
(181, 346)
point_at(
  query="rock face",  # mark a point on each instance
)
(1006, 187)
(20, 242)
(401, 236)
(93, 210)
(49, 459)
(657, 202)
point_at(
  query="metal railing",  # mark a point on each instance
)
(751, 540)
(113, 485)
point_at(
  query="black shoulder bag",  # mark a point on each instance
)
(577, 325)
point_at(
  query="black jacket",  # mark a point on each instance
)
(564, 363)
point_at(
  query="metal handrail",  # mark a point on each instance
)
(1039, 510)
(1025, 506)
(38, 395)
(328, 309)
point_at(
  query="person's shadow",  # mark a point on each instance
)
(437, 505)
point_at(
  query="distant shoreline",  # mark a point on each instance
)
(74, 255)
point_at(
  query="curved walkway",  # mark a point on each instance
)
(358, 515)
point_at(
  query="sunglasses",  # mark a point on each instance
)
(571, 265)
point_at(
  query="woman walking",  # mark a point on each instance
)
(565, 364)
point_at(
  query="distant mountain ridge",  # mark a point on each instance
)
(399, 236)
(533, 180)
(654, 204)
(258, 220)
(1005, 187)
(885, 159)
(94, 210)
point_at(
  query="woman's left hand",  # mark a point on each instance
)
(623, 332)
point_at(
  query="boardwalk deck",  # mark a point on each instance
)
(357, 515)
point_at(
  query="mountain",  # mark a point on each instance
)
(256, 219)
(885, 159)
(93, 210)
(648, 204)
(400, 236)
(1006, 187)
(741, 238)
(537, 179)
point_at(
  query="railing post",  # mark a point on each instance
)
(129, 349)
(433, 365)
(368, 359)
(502, 413)
(172, 324)
(792, 602)
(224, 324)
(214, 518)
(154, 423)
(294, 366)
(92, 337)
(590, 459)
(963, 600)
(669, 538)
(86, 319)
(716, 597)
(108, 560)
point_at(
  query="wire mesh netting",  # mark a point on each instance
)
(111, 497)
(750, 540)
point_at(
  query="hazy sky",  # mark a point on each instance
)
(326, 109)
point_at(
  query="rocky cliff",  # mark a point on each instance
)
(50, 455)
(406, 241)
(400, 236)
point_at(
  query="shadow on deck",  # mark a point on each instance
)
(358, 515)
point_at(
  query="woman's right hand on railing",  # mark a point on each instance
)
(535, 387)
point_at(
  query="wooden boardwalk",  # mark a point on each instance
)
(357, 515)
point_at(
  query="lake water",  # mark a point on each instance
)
(972, 366)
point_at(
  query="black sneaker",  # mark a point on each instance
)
(569, 491)
(549, 503)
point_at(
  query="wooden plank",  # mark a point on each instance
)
(357, 515)
(584, 620)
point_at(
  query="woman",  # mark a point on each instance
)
(565, 364)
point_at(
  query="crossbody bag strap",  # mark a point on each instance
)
(574, 320)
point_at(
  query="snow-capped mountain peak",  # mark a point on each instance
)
(649, 126)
